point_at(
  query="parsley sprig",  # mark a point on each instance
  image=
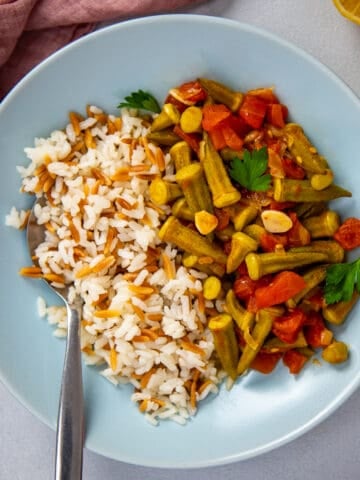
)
(341, 281)
(141, 100)
(250, 172)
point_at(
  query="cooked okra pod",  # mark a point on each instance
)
(291, 190)
(228, 154)
(189, 240)
(309, 209)
(254, 231)
(192, 261)
(261, 330)
(190, 120)
(180, 209)
(222, 94)
(241, 245)
(242, 215)
(332, 249)
(212, 288)
(180, 155)
(260, 264)
(312, 277)
(234, 308)
(303, 151)
(164, 137)
(162, 192)
(225, 342)
(337, 312)
(168, 116)
(193, 184)
(324, 225)
(223, 191)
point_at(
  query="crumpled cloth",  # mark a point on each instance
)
(30, 30)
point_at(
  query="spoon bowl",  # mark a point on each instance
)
(70, 425)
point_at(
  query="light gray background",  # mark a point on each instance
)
(331, 451)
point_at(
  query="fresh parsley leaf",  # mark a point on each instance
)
(341, 281)
(250, 172)
(141, 99)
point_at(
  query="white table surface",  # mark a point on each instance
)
(331, 451)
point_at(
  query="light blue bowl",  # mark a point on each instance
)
(156, 53)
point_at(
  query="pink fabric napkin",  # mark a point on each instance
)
(30, 30)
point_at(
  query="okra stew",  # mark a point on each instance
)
(250, 207)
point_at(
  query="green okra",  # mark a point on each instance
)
(228, 154)
(192, 181)
(291, 190)
(192, 261)
(223, 191)
(162, 192)
(168, 116)
(337, 312)
(254, 231)
(261, 329)
(190, 241)
(313, 278)
(225, 341)
(222, 94)
(241, 245)
(303, 151)
(260, 264)
(234, 308)
(324, 225)
(164, 137)
(332, 249)
(309, 209)
(180, 209)
(180, 154)
(242, 215)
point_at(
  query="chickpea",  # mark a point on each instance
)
(336, 352)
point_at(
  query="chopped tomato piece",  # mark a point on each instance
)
(288, 326)
(232, 139)
(269, 241)
(213, 115)
(253, 111)
(294, 360)
(265, 362)
(265, 93)
(227, 247)
(348, 235)
(223, 216)
(292, 169)
(189, 93)
(238, 125)
(298, 235)
(284, 285)
(217, 138)
(316, 301)
(179, 105)
(274, 205)
(244, 287)
(276, 115)
(192, 139)
(315, 331)
(242, 269)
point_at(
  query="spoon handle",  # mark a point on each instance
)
(70, 428)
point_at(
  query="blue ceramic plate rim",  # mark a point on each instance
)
(225, 23)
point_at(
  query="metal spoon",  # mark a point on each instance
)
(70, 425)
